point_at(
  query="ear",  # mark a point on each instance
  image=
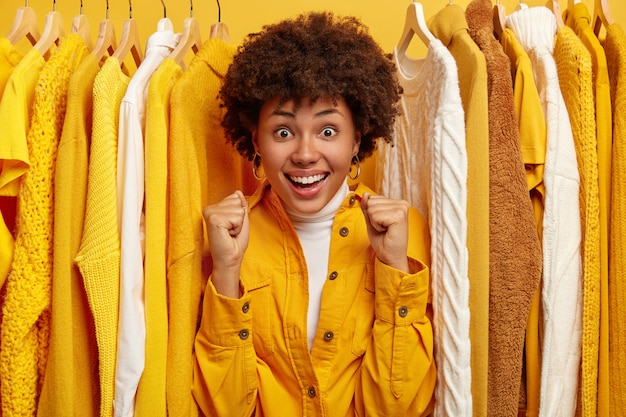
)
(255, 138)
(357, 143)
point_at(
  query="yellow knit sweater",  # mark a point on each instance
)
(615, 47)
(99, 256)
(26, 322)
(203, 169)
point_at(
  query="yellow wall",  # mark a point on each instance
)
(385, 18)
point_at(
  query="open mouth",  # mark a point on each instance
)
(307, 182)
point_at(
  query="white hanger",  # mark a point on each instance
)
(106, 42)
(24, 25)
(130, 41)
(521, 6)
(80, 25)
(219, 30)
(164, 23)
(601, 15)
(415, 24)
(53, 31)
(191, 38)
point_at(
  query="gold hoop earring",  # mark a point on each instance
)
(355, 161)
(256, 163)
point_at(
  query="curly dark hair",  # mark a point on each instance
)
(313, 56)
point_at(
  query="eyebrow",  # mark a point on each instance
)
(321, 113)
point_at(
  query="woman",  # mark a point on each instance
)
(316, 303)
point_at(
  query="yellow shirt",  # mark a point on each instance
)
(532, 129)
(373, 350)
(450, 26)
(15, 111)
(594, 383)
(150, 399)
(615, 47)
(71, 386)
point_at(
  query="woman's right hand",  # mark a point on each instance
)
(228, 230)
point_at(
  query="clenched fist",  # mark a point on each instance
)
(228, 230)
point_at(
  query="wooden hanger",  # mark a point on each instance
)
(130, 41)
(601, 15)
(521, 6)
(555, 6)
(219, 30)
(571, 3)
(24, 25)
(191, 38)
(415, 24)
(80, 26)
(106, 42)
(499, 19)
(53, 31)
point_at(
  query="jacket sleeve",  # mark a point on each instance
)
(398, 370)
(224, 360)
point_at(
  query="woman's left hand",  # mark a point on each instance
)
(388, 229)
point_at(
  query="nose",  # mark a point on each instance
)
(306, 150)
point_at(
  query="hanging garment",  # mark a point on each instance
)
(515, 251)
(355, 372)
(203, 169)
(131, 340)
(532, 128)
(450, 26)
(151, 400)
(427, 166)
(574, 66)
(15, 112)
(595, 352)
(615, 48)
(71, 385)
(562, 270)
(26, 317)
(99, 255)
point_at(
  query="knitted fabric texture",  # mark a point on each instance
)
(99, 255)
(575, 79)
(150, 399)
(515, 260)
(561, 290)
(427, 166)
(615, 47)
(203, 169)
(26, 322)
(71, 386)
(449, 26)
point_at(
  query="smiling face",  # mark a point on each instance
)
(306, 150)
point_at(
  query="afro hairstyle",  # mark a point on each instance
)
(315, 55)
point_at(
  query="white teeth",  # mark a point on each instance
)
(308, 180)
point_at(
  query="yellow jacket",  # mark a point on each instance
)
(373, 351)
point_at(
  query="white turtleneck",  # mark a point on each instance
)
(314, 231)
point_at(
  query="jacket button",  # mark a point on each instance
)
(344, 231)
(333, 275)
(243, 334)
(245, 307)
(352, 200)
(328, 336)
(403, 311)
(311, 392)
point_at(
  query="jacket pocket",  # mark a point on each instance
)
(364, 313)
(260, 291)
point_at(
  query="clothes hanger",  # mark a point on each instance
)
(80, 25)
(571, 3)
(53, 31)
(24, 25)
(555, 6)
(499, 19)
(601, 15)
(415, 24)
(130, 41)
(165, 23)
(191, 38)
(106, 42)
(521, 6)
(219, 29)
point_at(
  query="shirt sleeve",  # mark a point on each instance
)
(224, 374)
(398, 371)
